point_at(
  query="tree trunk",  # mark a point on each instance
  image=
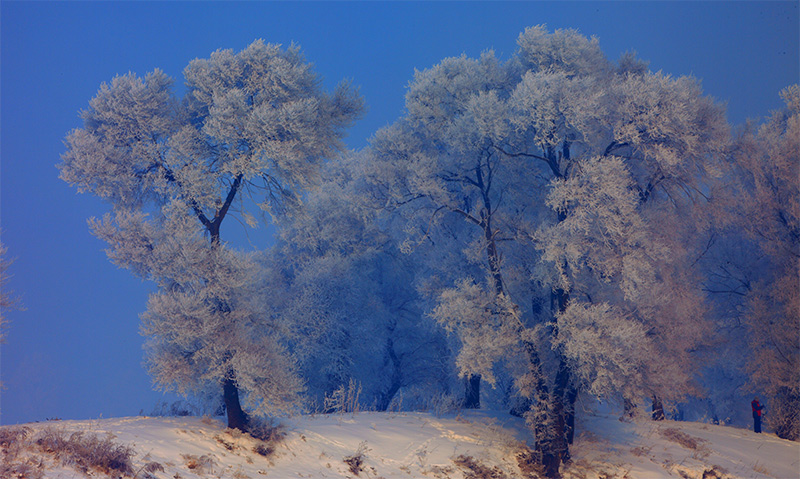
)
(551, 462)
(549, 422)
(237, 419)
(560, 408)
(551, 442)
(472, 395)
(629, 409)
(658, 409)
(397, 378)
(386, 398)
(561, 416)
(571, 397)
(564, 393)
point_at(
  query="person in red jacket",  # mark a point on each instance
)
(757, 407)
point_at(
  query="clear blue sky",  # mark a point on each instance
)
(75, 352)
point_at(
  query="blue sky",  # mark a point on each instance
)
(75, 351)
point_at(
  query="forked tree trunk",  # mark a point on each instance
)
(552, 448)
(237, 419)
(551, 423)
(553, 412)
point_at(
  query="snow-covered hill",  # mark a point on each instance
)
(474, 445)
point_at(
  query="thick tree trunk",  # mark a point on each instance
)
(549, 420)
(561, 402)
(237, 419)
(472, 394)
(551, 462)
(563, 421)
(551, 439)
(554, 413)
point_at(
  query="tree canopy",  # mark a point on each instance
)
(251, 132)
(553, 174)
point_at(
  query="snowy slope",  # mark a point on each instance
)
(649, 449)
(473, 444)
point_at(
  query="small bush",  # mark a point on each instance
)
(268, 434)
(356, 461)
(716, 472)
(10, 436)
(12, 442)
(20, 470)
(699, 446)
(476, 470)
(267, 431)
(443, 403)
(529, 462)
(685, 440)
(178, 408)
(263, 450)
(86, 451)
(345, 399)
(640, 451)
(224, 442)
(148, 469)
(198, 464)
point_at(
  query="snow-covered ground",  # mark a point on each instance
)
(474, 444)
(662, 449)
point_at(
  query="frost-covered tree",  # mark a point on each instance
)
(353, 293)
(760, 209)
(250, 133)
(7, 298)
(440, 174)
(558, 177)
